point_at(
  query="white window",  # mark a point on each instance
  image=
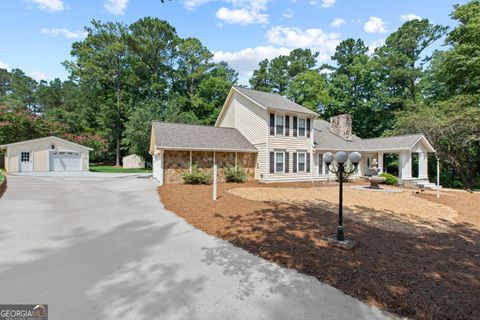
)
(279, 162)
(301, 160)
(25, 157)
(301, 127)
(279, 124)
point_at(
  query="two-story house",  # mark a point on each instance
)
(275, 140)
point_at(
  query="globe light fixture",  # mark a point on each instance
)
(355, 158)
(341, 157)
(328, 158)
(338, 164)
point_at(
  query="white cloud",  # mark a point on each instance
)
(288, 13)
(241, 16)
(337, 22)
(375, 25)
(246, 60)
(244, 12)
(324, 3)
(328, 3)
(116, 7)
(281, 41)
(68, 34)
(193, 4)
(4, 65)
(410, 16)
(49, 5)
(241, 11)
(375, 44)
(38, 76)
(313, 38)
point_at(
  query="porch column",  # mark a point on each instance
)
(423, 165)
(380, 162)
(190, 161)
(405, 165)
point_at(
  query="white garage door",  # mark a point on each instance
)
(65, 161)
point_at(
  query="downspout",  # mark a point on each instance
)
(438, 177)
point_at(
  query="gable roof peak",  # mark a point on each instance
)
(273, 101)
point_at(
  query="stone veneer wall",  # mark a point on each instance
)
(178, 162)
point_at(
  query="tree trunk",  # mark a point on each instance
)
(467, 179)
(117, 158)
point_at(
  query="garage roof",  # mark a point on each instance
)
(177, 136)
(42, 139)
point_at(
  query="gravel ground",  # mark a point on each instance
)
(380, 209)
(418, 257)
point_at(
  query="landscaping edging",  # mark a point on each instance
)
(3, 186)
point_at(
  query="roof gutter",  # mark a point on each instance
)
(206, 149)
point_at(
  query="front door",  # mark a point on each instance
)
(368, 163)
(26, 161)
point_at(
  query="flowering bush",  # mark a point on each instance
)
(18, 124)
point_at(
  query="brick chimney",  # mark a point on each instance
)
(341, 125)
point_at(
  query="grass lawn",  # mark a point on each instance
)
(113, 169)
(419, 256)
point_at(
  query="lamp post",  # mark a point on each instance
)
(342, 170)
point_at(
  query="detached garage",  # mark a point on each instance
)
(45, 154)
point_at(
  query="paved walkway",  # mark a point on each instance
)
(105, 248)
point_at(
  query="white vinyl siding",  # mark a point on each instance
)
(261, 166)
(291, 144)
(248, 118)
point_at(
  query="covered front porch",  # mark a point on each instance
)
(412, 165)
(411, 161)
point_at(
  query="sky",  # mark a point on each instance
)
(36, 35)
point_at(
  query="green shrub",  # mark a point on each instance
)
(389, 179)
(2, 175)
(235, 174)
(196, 176)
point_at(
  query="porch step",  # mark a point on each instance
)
(428, 185)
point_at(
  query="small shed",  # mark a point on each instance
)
(133, 161)
(45, 154)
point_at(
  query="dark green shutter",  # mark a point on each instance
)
(272, 162)
(287, 164)
(287, 126)
(294, 162)
(272, 124)
(308, 162)
(308, 128)
(320, 164)
(294, 126)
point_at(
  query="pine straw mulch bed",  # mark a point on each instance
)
(432, 273)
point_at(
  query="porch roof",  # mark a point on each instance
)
(326, 140)
(177, 136)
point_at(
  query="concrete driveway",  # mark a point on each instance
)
(105, 248)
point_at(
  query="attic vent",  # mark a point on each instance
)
(341, 125)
